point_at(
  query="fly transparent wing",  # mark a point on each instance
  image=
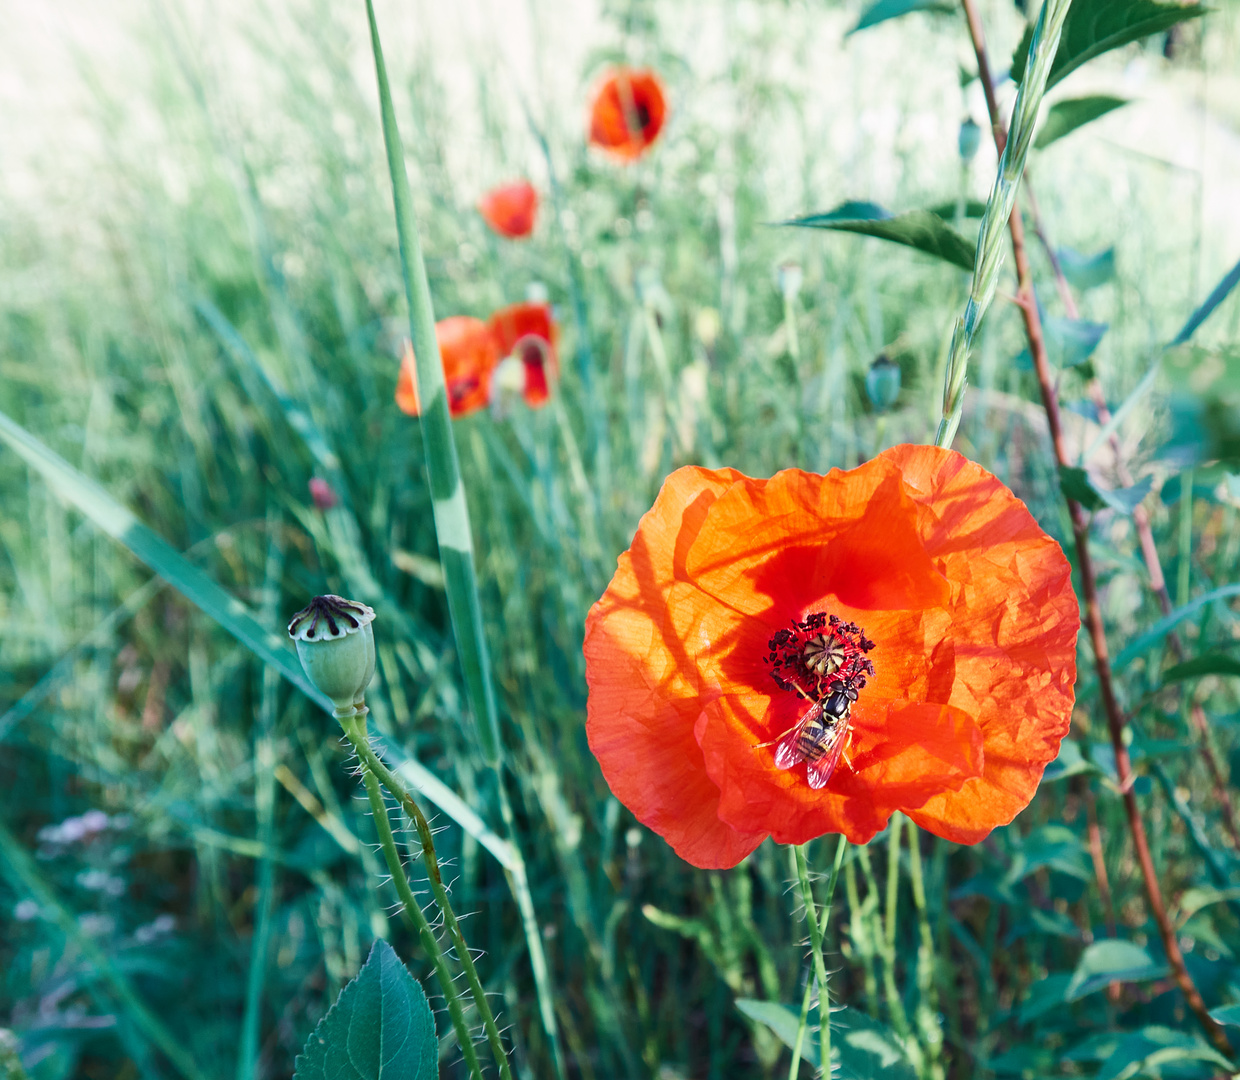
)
(787, 753)
(819, 772)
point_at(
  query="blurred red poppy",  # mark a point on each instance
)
(469, 354)
(322, 494)
(527, 333)
(510, 209)
(627, 114)
(914, 597)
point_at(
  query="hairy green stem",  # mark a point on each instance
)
(927, 1013)
(817, 932)
(375, 771)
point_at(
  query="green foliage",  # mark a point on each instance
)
(380, 1028)
(1105, 962)
(1098, 26)
(924, 230)
(883, 10)
(1087, 271)
(1080, 487)
(1064, 117)
(1204, 404)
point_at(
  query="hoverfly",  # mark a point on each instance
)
(819, 737)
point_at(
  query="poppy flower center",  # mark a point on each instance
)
(820, 654)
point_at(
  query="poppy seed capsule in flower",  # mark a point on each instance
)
(336, 646)
(811, 654)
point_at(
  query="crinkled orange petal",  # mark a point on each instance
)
(510, 209)
(644, 690)
(627, 113)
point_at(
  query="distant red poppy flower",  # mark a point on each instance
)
(627, 113)
(914, 597)
(510, 209)
(322, 494)
(469, 354)
(527, 332)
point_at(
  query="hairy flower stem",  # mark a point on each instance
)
(417, 916)
(928, 1025)
(375, 772)
(817, 932)
(999, 207)
(1089, 583)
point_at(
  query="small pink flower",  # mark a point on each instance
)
(322, 494)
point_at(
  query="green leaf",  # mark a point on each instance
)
(920, 229)
(1070, 342)
(1204, 404)
(861, 1048)
(1108, 961)
(1044, 995)
(380, 1028)
(1167, 623)
(1210, 664)
(893, 9)
(1070, 762)
(1227, 1014)
(783, 1020)
(1216, 297)
(1087, 271)
(1144, 1052)
(1078, 487)
(1097, 26)
(1120, 414)
(973, 208)
(1066, 116)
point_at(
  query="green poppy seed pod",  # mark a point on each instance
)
(336, 646)
(882, 383)
(969, 139)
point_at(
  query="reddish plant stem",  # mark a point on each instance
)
(1089, 581)
(1141, 520)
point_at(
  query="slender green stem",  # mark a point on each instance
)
(355, 728)
(927, 1011)
(418, 917)
(894, 1002)
(817, 932)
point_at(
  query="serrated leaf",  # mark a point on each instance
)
(380, 1028)
(1210, 664)
(1078, 487)
(892, 9)
(1108, 961)
(1064, 117)
(1097, 26)
(1087, 271)
(920, 229)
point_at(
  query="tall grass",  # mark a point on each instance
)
(201, 310)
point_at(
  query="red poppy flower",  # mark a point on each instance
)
(628, 113)
(528, 333)
(469, 354)
(510, 209)
(916, 584)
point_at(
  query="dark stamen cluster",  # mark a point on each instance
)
(819, 654)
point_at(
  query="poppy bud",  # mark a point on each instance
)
(322, 494)
(969, 139)
(882, 383)
(336, 646)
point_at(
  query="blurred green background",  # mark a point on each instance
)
(201, 308)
